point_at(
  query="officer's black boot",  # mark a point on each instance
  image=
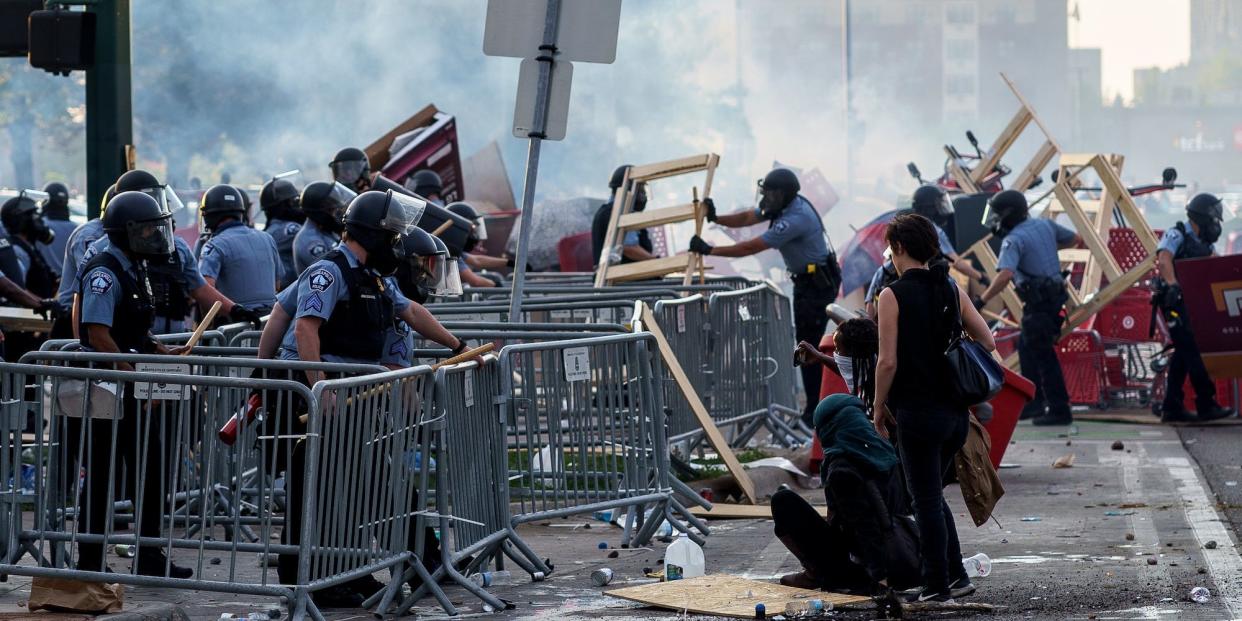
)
(1214, 411)
(152, 563)
(1033, 409)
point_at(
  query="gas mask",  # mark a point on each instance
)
(385, 257)
(771, 203)
(38, 231)
(1209, 227)
(640, 197)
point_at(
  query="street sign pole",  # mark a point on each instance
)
(109, 116)
(546, 58)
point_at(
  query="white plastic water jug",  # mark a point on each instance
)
(683, 559)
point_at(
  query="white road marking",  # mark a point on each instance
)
(1207, 525)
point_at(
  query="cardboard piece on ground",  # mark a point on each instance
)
(714, 438)
(726, 596)
(722, 511)
(64, 595)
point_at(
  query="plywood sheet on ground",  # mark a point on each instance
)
(1142, 417)
(722, 511)
(726, 596)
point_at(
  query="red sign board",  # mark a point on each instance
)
(1212, 287)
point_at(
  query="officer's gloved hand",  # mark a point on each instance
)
(984, 280)
(241, 313)
(512, 263)
(979, 303)
(1172, 295)
(710, 205)
(697, 245)
(46, 306)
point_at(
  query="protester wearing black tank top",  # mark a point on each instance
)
(917, 315)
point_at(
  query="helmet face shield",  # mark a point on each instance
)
(480, 228)
(151, 237)
(349, 171)
(294, 177)
(402, 213)
(339, 198)
(37, 196)
(440, 276)
(991, 218)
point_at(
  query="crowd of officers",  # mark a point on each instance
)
(342, 271)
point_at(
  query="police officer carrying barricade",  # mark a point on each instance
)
(175, 279)
(1205, 215)
(796, 231)
(636, 245)
(283, 212)
(117, 315)
(56, 213)
(27, 228)
(345, 313)
(324, 204)
(241, 263)
(1028, 258)
(352, 168)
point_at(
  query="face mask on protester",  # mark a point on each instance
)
(845, 365)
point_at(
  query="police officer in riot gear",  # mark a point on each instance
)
(117, 316)
(352, 169)
(26, 227)
(56, 213)
(324, 204)
(931, 202)
(1028, 257)
(427, 184)
(345, 311)
(76, 248)
(636, 245)
(282, 209)
(175, 279)
(1205, 215)
(468, 261)
(796, 231)
(240, 262)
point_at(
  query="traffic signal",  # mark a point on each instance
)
(62, 41)
(13, 29)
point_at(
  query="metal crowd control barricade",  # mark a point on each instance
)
(752, 385)
(153, 427)
(685, 325)
(585, 432)
(367, 455)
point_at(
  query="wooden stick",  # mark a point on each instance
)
(443, 227)
(202, 327)
(462, 357)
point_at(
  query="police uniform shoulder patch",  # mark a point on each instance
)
(4, 243)
(99, 281)
(208, 248)
(321, 279)
(780, 226)
(292, 228)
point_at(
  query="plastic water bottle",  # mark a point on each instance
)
(978, 566)
(683, 559)
(807, 608)
(491, 578)
(1200, 595)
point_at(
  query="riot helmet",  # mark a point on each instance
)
(618, 176)
(135, 222)
(425, 270)
(279, 199)
(1004, 211)
(776, 191)
(56, 207)
(142, 181)
(221, 202)
(427, 184)
(931, 202)
(351, 168)
(324, 203)
(1207, 211)
(479, 232)
(377, 220)
(20, 215)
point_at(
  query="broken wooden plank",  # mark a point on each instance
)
(1036, 166)
(671, 168)
(1003, 142)
(656, 217)
(650, 268)
(727, 596)
(723, 511)
(714, 437)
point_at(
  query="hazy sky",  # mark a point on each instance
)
(1132, 34)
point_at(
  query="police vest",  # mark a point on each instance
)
(358, 324)
(134, 315)
(40, 279)
(168, 287)
(1192, 247)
